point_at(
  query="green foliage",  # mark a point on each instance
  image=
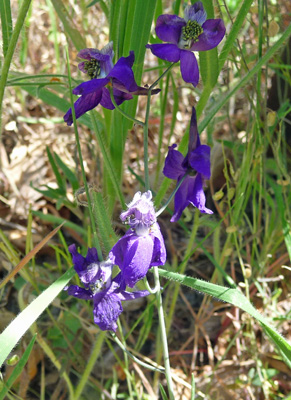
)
(6, 24)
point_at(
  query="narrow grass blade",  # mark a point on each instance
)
(67, 172)
(57, 220)
(18, 369)
(17, 328)
(281, 208)
(233, 34)
(29, 256)
(235, 297)
(60, 181)
(6, 23)
(69, 27)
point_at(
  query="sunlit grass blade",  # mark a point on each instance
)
(29, 256)
(17, 369)
(236, 298)
(17, 328)
(6, 23)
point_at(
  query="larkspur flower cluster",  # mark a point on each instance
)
(142, 247)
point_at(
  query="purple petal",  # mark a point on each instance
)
(181, 201)
(168, 52)
(194, 140)
(168, 28)
(196, 195)
(119, 96)
(137, 259)
(124, 296)
(82, 105)
(90, 86)
(133, 255)
(106, 311)
(159, 252)
(199, 160)
(196, 13)
(78, 260)
(189, 67)
(92, 255)
(173, 164)
(123, 73)
(80, 293)
(213, 33)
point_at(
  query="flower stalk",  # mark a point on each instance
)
(96, 240)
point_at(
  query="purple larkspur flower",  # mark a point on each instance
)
(99, 67)
(142, 247)
(105, 292)
(195, 165)
(185, 35)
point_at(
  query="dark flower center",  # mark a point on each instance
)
(92, 68)
(190, 33)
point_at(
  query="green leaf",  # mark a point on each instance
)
(68, 173)
(235, 297)
(58, 220)
(208, 60)
(18, 368)
(92, 3)
(131, 23)
(60, 181)
(163, 393)
(17, 328)
(6, 23)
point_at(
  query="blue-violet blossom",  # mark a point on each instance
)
(142, 247)
(99, 67)
(196, 167)
(185, 35)
(106, 293)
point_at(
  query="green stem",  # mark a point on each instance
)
(136, 121)
(10, 51)
(145, 142)
(160, 77)
(163, 334)
(147, 285)
(90, 365)
(95, 236)
(125, 353)
(171, 196)
(135, 359)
